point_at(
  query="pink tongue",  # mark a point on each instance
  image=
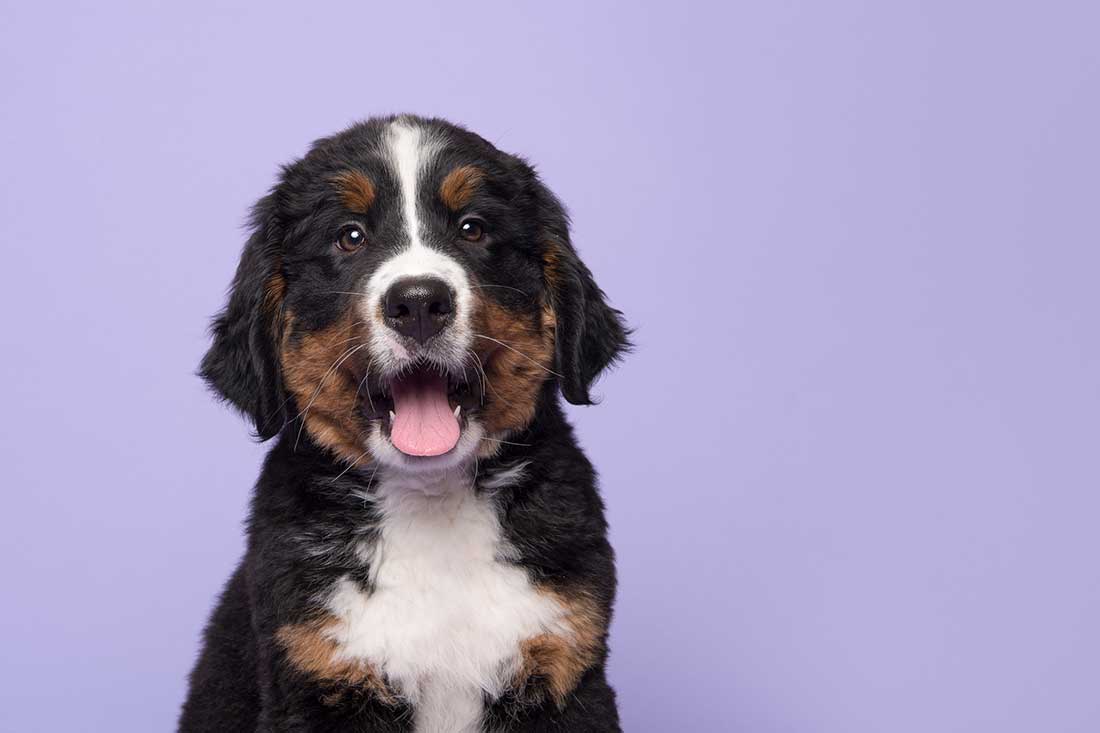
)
(425, 425)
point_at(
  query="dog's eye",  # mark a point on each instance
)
(472, 229)
(351, 238)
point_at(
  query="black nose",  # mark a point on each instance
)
(419, 307)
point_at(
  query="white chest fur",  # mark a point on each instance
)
(447, 612)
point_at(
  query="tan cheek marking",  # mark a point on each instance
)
(356, 191)
(311, 650)
(514, 375)
(551, 265)
(274, 292)
(459, 186)
(559, 662)
(333, 414)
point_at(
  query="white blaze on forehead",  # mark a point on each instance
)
(410, 150)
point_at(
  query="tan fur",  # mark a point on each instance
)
(274, 292)
(551, 265)
(312, 651)
(327, 396)
(459, 186)
(558, 662)
(356, 190)
(514, 373)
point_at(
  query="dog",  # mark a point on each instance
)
(427, 549)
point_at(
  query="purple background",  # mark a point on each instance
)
(852, 469)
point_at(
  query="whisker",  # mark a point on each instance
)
(342, 292)
(348, 340)
(494, 391)
(291, 396)
(525, 356)
(503, 287)
(336, 365)
(350, 326)
(507, 442)
(365, 493)
(482, 377)
(352, 465)
(366, 373)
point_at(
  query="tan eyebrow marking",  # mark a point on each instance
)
(459, 186)
(356, 190)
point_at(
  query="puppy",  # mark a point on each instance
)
(427, 550)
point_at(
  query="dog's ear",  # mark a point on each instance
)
(242, 365)
(590, 335)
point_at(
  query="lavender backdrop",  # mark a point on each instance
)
(852, 469)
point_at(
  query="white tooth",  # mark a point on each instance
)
(392, 416)
(458, 410)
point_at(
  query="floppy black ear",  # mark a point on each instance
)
(590, 334)
(242, 365)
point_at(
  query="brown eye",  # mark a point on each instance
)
(472, 230)
(351, 238)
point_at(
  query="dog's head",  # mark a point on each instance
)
(406, 294)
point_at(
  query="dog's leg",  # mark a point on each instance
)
(223, 694)
(590, 708)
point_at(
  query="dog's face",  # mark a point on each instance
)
(408, 297)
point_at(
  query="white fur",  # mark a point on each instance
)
(448, 611)
(505, 476)
(410, 151)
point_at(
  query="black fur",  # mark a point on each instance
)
(306, 518)
(241, 364)
(590, 333)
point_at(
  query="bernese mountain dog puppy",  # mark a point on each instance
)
(427, 549)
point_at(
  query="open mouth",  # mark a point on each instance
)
(423, 408)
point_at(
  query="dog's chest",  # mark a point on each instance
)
(447, 612)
